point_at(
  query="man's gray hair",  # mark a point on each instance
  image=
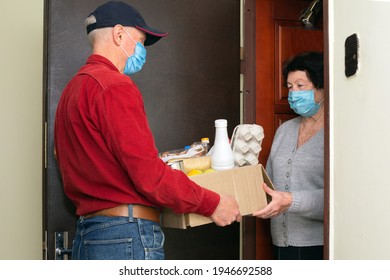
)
(95, 34)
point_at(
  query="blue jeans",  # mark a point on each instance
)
(118, 238)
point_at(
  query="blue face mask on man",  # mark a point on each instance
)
(136, 61)
(302, 102)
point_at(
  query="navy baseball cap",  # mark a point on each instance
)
(118, 12)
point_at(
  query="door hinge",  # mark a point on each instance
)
(61, 246)
(44, 247)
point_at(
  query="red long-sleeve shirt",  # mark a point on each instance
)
(106, 151)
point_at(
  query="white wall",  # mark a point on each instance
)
(360, 130)
(21, 54)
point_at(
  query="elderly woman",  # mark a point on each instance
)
(296, 165)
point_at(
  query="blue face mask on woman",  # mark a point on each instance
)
(302, 102)
(136, 61)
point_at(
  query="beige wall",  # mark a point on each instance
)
(20, 121)
(360, 132)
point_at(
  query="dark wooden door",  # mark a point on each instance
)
(277, 34)
(286, 36)
(191, 78)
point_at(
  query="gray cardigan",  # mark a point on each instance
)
(301, 172)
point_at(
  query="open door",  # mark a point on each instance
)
(274, 32)
(191, 78)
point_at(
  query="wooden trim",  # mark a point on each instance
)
(325, 9)
(265, 53)
(249, 68)
(249, 112)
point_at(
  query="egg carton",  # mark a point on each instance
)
(246, 143)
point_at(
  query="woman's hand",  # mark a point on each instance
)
(280, 203)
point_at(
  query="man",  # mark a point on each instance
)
(106, 152)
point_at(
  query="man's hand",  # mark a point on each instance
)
(226, 212)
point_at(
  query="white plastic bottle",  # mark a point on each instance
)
(222, 156)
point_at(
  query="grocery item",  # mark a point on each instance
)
(177, 164)
(222, 155)
(196, 149)
(205, 143)
(194, 172)
(201, 163)
(246, 144)
(209, 170)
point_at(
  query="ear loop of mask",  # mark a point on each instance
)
(131, 38)
(125, 51)
(319, 103)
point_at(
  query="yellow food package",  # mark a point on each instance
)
(194, 172)
(200, 163)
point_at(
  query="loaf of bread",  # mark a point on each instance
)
(200, 163)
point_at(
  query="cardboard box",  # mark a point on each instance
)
(243, 183)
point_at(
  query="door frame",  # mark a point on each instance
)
(250, 232)
(325, 9)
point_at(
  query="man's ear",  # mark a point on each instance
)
(117, 34)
